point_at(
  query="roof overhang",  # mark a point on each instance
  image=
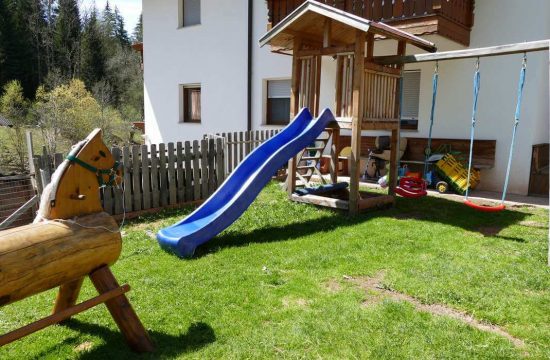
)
(307, 21)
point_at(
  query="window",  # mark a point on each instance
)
(189, 12)
(411, 96)
(190, 106)
(278, 102)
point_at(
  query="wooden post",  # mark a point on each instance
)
(357, 118)
(67, 295)
(327, 33)
(294, 108)
(122, 312)
(396, 133)
(334, 155)
(30, 156)
(549, 119)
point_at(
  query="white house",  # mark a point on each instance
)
(204, 71)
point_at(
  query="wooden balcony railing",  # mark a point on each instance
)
(449, 18)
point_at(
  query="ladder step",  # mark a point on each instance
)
(315, 148)
(304, 167)
(310, 158)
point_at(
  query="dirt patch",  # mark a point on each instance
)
(410, 216)
(333, 286)
(534, 224)
(376, 293)
(291, 302)
(489, 230)
(85, 346)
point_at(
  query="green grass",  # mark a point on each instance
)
(260, 289)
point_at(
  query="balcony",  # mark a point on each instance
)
(452, 19)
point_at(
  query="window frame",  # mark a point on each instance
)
(409, 123)
(267, 114)
(181, 15)
(185, 111)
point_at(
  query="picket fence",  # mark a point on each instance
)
(237, 145)
(165, 175)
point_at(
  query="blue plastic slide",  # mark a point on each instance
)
(243, 185)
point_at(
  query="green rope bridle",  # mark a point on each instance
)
(98, 172)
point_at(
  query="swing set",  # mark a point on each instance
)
(415, 187)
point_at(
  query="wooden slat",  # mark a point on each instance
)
(204, 168)
(155, 184)
(127, 163)
(188, 156)
(211, 166)
(62, 315)
(136, 179)
(145, 177)
(172, 189)
(235, 150)
(229, 145)
(241, 147)
(220, 162)
(180, 172)
(163, 175)
(196, 171)
(117, 190)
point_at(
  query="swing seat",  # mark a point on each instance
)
(485, 208)
(411, 187)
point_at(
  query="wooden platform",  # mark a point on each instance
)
(367, 200)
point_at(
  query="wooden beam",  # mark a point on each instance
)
(334, 155)
(375, 201)
(122, 312)
(294, 108)
(338, 84)
(321, 201)
(317, 89)
(62, 315)
(508, 49)
(357, 117)
(396, 133)
(326, 51)
(370, 47)
(327, 33)
(548, 119)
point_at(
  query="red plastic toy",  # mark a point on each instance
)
(411, 187)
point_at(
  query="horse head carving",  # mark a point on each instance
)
(73, 190)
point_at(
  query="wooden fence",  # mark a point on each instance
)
(237, 145)
(159, 176)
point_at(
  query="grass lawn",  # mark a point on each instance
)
(289, 280)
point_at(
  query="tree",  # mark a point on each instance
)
(70, 112)
(14, 107)
(67, 37)
(138, 30)
(120, 32)
(93, 63)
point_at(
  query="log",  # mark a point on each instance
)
(38, 257)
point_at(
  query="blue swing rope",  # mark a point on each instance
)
(514, 129)
(428, 151)
(516, 123)
(477, 83)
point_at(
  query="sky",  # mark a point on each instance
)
(130, 9)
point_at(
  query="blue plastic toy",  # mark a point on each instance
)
(243, 185)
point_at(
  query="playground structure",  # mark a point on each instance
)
(367, 93)
(367, 98)
(70, 239)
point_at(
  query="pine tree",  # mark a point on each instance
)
(138, 30)
(67, 37)
(120, 32)
(93, 59)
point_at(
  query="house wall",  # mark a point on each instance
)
(499, 77)
(213, 54)
(224, 87)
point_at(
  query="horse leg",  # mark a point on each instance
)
(67, 295)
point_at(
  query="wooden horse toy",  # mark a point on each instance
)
(71, 238)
